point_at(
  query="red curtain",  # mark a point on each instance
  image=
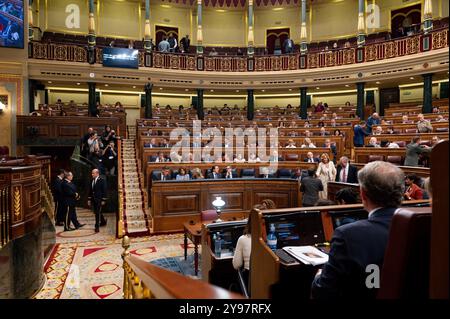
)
(402, 18)
(162, 31)
(275, 38)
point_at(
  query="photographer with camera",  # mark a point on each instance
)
(108, 135)
(109, 158)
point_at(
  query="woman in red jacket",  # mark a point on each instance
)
(412, 191)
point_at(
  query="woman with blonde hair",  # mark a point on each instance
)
(326, 171)
(197, 173)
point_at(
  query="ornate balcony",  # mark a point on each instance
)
(410, 45)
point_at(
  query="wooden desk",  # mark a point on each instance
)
(194, 233)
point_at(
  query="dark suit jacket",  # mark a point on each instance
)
(98, 192)
(57, 189)
(316, 160)
(310, 188)
(211, 176)
(352, 176)
(69, 191)
(353, 247)
(233, 173)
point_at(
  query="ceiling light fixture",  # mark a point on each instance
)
(78, 83)
(50, 82)
(377, 82)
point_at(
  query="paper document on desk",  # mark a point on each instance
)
(308, 255)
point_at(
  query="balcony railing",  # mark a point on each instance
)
(410, 45)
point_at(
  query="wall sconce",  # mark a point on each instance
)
(218, 203)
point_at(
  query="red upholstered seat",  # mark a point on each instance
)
(209, 214)
(400, 143)
(291, 157)
(394, 159)
(373, 158)
(405, 272)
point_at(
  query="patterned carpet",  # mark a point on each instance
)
(86, 265)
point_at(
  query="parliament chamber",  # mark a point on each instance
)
(245, 149)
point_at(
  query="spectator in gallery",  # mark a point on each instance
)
(185, 44)
(173, 43)
(213, 52)
(288, 46)
(164, 45)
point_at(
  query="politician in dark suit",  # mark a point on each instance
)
(345, 172)
(310, 187)
(97, 198)
(70, 197)
(356, 245)
(60, 213)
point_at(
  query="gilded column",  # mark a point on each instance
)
(147, 32)
(199, 28)
(427, 16)
(251, 36)
(91, 34)
(30, 21)
(361, 24)
(303, 34)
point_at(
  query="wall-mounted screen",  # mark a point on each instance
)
(11, 23)
(120, 58)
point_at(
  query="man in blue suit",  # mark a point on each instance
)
(359, 244)
(359, 133)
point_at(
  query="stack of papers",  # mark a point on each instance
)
(308, 255)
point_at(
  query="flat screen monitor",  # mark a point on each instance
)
(11, 24)
(297, 228)
(340, 218)
(121, 58)
(229, 234)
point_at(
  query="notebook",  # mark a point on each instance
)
(308, 255)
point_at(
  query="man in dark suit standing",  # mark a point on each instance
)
(359, 133)
(70, 197)
(58, 196)
(345, 172)
(185, 43)
(310, 187)
(356, 245)
(413, 150)
(97, 198)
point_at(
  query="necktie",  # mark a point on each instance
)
(344, 177)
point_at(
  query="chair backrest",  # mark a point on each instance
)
(291, 157)
(405, 271)
(209, 214)
(156, 174)
(394, 159)
(400, 143)
(373, 158)
(410, 130)
(248, 172)
(284, 172)
(441, 129)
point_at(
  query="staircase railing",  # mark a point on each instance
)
(47, 201)
(120, 229)
(143, 280)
